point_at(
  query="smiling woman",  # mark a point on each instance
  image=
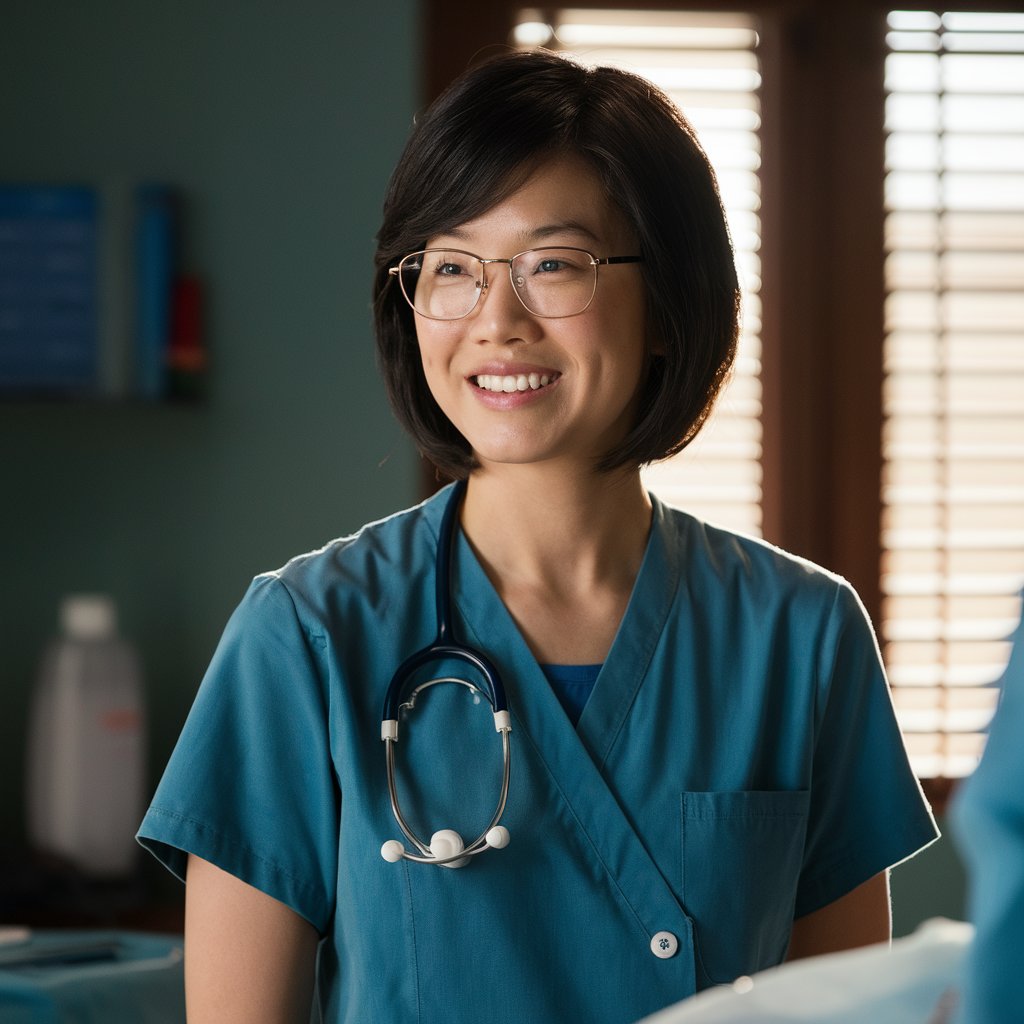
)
(472, 150)
(701, 772)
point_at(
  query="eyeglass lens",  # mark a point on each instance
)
(445, 284)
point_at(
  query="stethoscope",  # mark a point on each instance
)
(446, 847)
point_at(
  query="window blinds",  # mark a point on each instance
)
(953, 436)
(707, 63)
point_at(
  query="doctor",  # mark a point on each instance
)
(706, 775)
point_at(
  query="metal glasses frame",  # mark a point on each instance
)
(482, 286)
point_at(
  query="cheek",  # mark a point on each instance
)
(430, 349)
(436, 372)
(433, 379)
(436, 340)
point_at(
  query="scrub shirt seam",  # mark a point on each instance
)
(317, 643)
(820, 705)
(412, 929)
(313, 638)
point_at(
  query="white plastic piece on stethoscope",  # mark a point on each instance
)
(498, 837)
(392, 851)
(448, 843)
(502, 721)
(389, 729)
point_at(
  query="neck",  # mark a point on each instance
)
(565, 532)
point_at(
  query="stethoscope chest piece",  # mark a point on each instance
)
(446, 847)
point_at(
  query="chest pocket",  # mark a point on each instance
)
(741, 859)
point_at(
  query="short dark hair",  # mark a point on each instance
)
(479, 141)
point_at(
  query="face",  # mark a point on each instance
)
(581, 373)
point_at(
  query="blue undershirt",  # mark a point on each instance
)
(573, 685)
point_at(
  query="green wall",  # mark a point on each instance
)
(280, 122)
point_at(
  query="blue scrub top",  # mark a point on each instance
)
(737, 765)
(988, 819)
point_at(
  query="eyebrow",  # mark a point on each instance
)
(538, 234)
(556, 229)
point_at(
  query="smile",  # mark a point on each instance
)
(513, 381)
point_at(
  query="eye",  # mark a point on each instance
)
(549, 265)
(449, 268)
(555, 262)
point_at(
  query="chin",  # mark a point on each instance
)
(507, 458)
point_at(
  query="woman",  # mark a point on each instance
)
(705, 769)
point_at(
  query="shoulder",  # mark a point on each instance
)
(778, 601)
(378, 560)
(731, 559)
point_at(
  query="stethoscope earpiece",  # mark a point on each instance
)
(498, 837)
(446, 848)
(392, 851)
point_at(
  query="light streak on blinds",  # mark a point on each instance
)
(953, 437)
(707, 63)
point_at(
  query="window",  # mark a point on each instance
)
(885, 345)
(708, 65)
(953, 480)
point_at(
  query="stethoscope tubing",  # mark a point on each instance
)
(445, 645)
(438, 651)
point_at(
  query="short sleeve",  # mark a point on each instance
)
(250, 785)
(867, 811)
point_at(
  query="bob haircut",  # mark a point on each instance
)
(479, 142)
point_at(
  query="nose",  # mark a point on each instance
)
(499, 307)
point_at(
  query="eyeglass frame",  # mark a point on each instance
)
(595, 262)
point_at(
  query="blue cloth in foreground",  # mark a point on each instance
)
(737, 765)
(988, 819)
(93, 978)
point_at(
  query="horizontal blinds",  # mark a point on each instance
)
(953, 437)
(708, 64)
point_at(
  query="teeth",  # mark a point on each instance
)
(513, 382)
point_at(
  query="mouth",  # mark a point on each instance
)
(508, 383)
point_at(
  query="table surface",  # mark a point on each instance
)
(92, 977)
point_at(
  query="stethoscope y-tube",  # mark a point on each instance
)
(446, 847)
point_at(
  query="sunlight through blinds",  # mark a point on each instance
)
(707, 63)
(953, 437)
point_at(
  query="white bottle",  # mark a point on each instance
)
(86, 744)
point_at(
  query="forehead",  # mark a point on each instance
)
(561, 199)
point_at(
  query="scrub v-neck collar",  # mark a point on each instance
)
(487, 624)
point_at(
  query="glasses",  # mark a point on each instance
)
(553, 282)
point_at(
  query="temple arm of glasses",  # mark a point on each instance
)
(620, 259)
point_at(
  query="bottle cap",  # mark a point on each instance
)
(88, 616)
